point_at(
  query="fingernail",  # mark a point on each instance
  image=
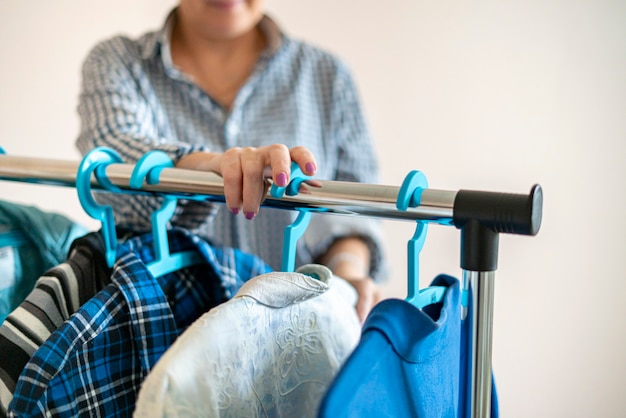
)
(235, 211)
(310, 168)
(250, 215)
(281, 179)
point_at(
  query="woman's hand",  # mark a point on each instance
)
(349, 258)
(368, 293)
(245, 170)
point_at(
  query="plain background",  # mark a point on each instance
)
(484, 95)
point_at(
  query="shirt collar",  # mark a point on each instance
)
(282, 289)
(273, 35)
(159, 41)
(156, 39)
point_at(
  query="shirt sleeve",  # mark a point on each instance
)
(116, 105)
(118, 109)
(356, 163)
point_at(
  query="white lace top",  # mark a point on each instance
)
(271, 351)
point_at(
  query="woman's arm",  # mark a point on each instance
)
(119, 109)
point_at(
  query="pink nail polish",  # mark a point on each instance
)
(250, 215)
(235, 211)
(310, 168)
(281, 179)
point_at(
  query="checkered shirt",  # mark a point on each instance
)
(134, 99)
(95, 362)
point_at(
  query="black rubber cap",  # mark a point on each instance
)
(503, 212)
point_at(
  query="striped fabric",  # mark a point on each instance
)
(133, 99)
(93, 365)
(57, 295)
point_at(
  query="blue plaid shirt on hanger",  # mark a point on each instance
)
(93, 365)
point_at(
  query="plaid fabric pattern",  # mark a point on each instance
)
(94, 364)
(57, 294)
(133, 99)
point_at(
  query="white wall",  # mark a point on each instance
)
(479, 95)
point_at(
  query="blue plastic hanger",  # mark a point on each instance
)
(410, 195)
(149, 167)
(95, 162)
(294, 231)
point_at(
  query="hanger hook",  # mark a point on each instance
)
(95, 162)
(410, 195)
(294, 231)
(149, 168)
(297, 178)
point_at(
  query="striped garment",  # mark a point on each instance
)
(133, 100)
(31, 242)
(93, 365)
(59, 293)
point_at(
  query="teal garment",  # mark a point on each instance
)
(31, 242)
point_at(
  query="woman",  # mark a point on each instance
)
(221, 88)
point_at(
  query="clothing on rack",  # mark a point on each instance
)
(59, 293)
(95, 362)
(270, 351)
(407, 362)
(31, 242)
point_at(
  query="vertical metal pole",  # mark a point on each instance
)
(480, 286)
(481, 216)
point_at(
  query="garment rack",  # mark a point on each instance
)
(480, 216)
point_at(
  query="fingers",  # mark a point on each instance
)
(231, 172)
(244, 171)
(367, 299)
(369, 295)
(280, 163)
(305, 160)
(281, 158)
(253, 188)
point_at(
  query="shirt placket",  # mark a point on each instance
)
(151, 319)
